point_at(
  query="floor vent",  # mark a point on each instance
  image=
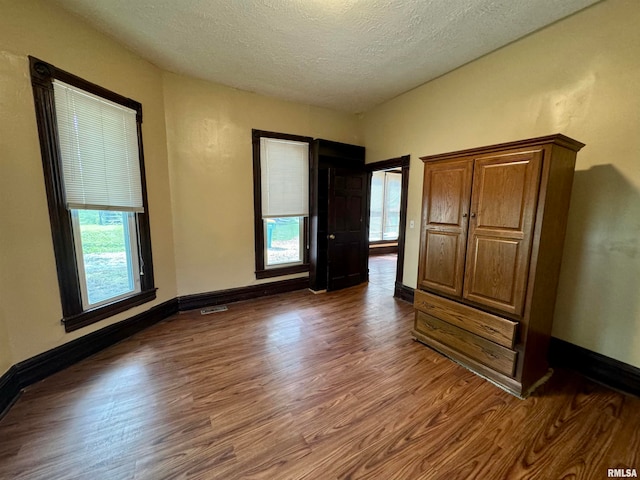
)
(216, 309)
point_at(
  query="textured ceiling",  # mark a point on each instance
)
(349, 55)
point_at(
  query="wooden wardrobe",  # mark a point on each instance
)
(493, 227)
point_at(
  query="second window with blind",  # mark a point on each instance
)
(281, 201)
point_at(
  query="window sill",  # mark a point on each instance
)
(280, 271)
(88, 317)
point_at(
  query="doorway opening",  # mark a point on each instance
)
(387, 222)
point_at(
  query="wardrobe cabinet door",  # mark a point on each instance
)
(447, 190)
(502, 217)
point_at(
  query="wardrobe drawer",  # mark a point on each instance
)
(494, 328)
(490, 354)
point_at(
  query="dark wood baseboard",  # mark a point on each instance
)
(598, 367)
(383, 249)
(9, 390)
(403, 292)
(201, 300)
(36, 368)
(41, 366)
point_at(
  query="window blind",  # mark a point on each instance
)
(284, 168)
(99, 150)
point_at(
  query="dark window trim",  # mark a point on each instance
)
(74, 317)
(261, 271)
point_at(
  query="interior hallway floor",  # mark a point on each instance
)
(382, 271)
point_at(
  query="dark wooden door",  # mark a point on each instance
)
(502, 214)
(347, 228)
(445, 210)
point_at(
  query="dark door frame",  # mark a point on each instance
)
(403, 163)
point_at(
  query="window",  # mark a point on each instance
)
(384, 220)
(91, 146)
(281, 202)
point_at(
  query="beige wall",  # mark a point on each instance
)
(5, 347)
(580, 77)
(31, 304)
(210, 156)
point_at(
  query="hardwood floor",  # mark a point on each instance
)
(304, 386)
(382, 271)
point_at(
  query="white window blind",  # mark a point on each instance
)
(284, 168)
(99, 150)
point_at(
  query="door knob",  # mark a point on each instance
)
(332, 236)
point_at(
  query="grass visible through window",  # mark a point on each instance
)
(104, 248)
(283, 240)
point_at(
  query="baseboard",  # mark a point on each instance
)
(36, 368)
(382, 250)
(200, 300)
(403, 292)
(596, 366)
(9, 390)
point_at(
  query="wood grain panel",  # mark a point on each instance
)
(446, 195)
(441, 260)
(503, 187)
(444, 226)
(496, 271)
(486, 325)
(503, 210)
(491, 354)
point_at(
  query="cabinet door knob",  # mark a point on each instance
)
(473, 215)
(332, 236)
(464, 215)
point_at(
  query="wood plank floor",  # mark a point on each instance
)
(304, 386)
